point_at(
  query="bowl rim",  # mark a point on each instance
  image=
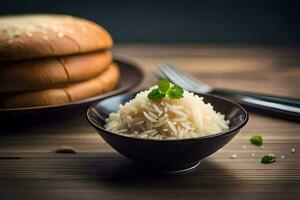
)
(229, 131)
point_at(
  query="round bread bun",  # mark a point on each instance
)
(29, 75)
(36, 36)
(103, 83)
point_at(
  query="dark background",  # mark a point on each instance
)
(207, 21)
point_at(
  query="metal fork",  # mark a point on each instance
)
(283, 107)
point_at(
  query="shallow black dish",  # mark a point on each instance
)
(131, 76)
(167, 155)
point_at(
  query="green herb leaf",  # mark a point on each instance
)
(270, 158)
(164, 86)
(163, 89)
(175, 92)
(256, 140)
(155, 94)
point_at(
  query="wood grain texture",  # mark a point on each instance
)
(30, 170)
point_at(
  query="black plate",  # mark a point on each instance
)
(165, 155)
(131, 76)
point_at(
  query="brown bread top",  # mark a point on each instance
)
(36, 36)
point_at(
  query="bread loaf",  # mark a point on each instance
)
(50, 72)
(36, 36)
(105, 82)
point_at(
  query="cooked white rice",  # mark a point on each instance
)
(188, 117)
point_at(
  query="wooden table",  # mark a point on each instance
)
(30, 170)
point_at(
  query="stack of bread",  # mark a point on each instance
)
(53, 59)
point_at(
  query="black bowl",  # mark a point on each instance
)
(167, 155)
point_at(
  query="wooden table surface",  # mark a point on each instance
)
(29, 169)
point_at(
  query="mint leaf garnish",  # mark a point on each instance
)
(155, 94)
(270, 158)
(175, 92)
(256, 140)
(164, 86)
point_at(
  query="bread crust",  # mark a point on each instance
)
(46, 73)
(103, 83)
(36, 36)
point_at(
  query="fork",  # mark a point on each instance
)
(277, 106)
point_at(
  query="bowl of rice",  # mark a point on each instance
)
(167, 131)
